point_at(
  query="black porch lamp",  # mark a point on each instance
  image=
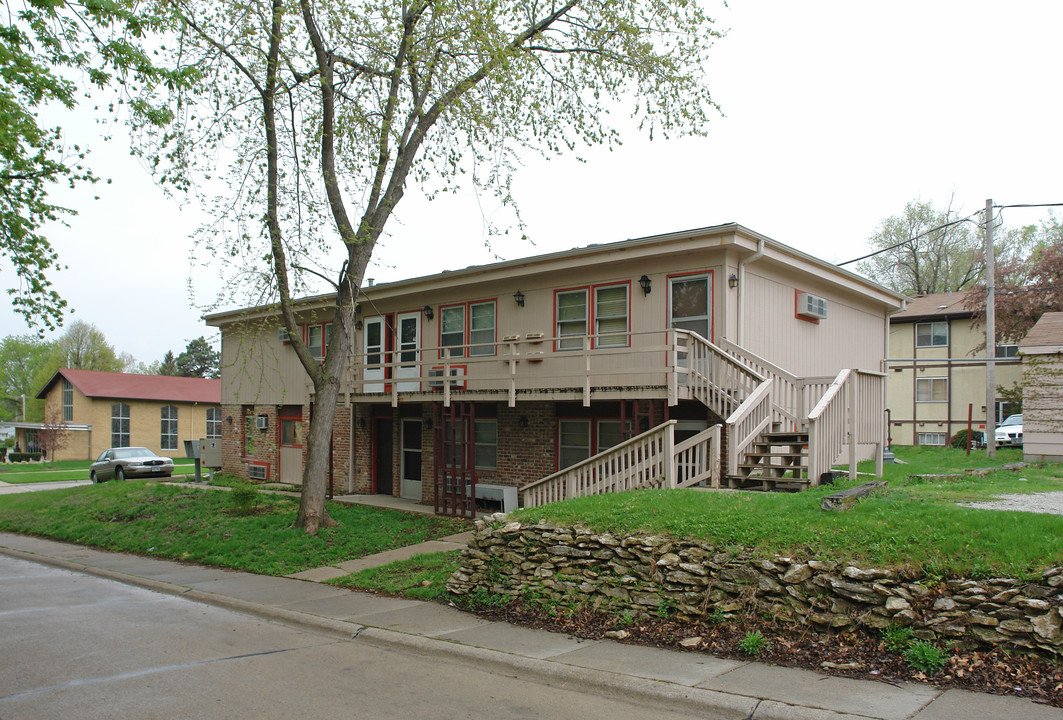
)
(732, 282)
(519, 297)
(429, 312)
(644, 283)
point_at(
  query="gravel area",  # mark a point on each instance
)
(1048, 502)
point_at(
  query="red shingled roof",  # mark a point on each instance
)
(129, 386)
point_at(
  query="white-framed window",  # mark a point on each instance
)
(609, 434)
(249, 431)
(213, 423)
(485, 438)
(932, 389)
(932, 334)
(482, 328)
(573, 442)
(610, 315)
(168, 433)
(935, 438)
(317, 339)
(452, 329)
(119, 425)
(1007, 351)
(571, 319)
(68, 401)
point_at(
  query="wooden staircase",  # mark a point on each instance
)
(776, 460)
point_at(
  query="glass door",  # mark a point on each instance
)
(408, 326)
(373, 338)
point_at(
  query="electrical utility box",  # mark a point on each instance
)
(210, 452)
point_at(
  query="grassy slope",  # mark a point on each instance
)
(199, 525)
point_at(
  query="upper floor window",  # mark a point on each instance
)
(932, 334)
(119, 425)
(168, 434)
(317, 339)
(468, 324)
(934, 389)
(1007, 351)
(571, 319)
(610, 316)
(68, 401)
(213, 423)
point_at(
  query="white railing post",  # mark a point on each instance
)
(853, 397)
(669, 454)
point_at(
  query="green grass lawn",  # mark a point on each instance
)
(16, 473)
(200, 525)
(916, 524)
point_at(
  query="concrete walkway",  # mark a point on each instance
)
(720, 689)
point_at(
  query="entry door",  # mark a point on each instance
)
(291, 450)
(382, 456)
(411, 459)
(408, 328)
(374, 336)
(690, 308)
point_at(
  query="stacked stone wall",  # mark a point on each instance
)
(696, 580)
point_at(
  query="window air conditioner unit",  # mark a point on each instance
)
(262, 422)
(810, 306)
(283, 336)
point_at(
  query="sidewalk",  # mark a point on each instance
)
(721, 689)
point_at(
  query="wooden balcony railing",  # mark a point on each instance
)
(850, 413)
(649, 460)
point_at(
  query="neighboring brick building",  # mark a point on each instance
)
(507, 372)
(935, 372)
(107, 410)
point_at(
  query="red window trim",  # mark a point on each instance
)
(467, 327)
(589, 294)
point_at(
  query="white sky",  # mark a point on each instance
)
(835, 115)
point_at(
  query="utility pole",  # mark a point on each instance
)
(990, 336)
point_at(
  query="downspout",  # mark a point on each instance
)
(740, 338)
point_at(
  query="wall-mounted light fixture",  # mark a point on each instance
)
(644, 283)
(732, 282)
(229, 420)
(429, 312)
(519, 297)
(357, 324)
(361, 423)
(427, 423)
(523, 421)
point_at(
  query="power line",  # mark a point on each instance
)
(911, 240)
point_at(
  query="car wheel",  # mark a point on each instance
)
(119, 474)
(93, 478)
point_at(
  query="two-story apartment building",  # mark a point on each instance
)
(507, 373)
(935, 373)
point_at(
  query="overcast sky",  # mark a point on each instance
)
(835, 114)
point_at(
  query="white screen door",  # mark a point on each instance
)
(373, 332)
(408, 326)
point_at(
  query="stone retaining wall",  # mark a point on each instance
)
(695, 580)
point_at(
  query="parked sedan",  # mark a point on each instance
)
(1009, 432)
(120, 463)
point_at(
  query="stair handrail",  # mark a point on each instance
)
(747, 422)
(715, 377)
(848, 414)
(621, 467)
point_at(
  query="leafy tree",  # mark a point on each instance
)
(198, 360)
(21, 357)
(926, 251)
(1026, 288)
(82, 347)
(43, 44)
(336, 105)
(54, 435)
(168, 365)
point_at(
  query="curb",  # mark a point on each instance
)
(654, 693)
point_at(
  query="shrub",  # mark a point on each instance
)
(245, 498)
(959, 440)
(925, 657)
(896, 638)
(754, 643)
(25, 456)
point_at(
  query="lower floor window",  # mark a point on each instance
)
(933, 439)
(934, 389)
(577, 438)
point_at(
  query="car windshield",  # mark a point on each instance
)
(1012, 420)
(133, 452)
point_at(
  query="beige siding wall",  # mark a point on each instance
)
(145, 424)
(965, 382)
(257, 368)
(852, 335)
